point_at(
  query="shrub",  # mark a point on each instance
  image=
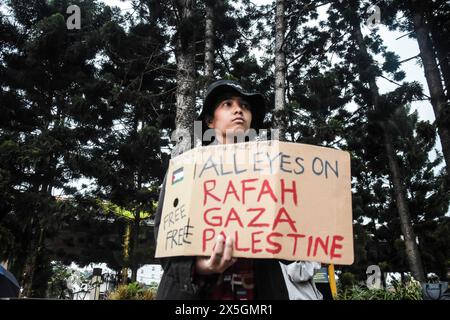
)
(411, 290)
(347, 280)
(132, 291)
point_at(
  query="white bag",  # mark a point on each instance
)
(299, 279)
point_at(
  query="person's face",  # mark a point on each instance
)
(232, 115)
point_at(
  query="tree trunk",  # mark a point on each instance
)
(442, 54)
(126, 253)
(376, 240)
(135, 245)
(30, 267)
(20, 257)
(290, 117)
(280, 69)
(185, 93)
(412, 251)
(209, 44)
(433, 77)
(27, 271)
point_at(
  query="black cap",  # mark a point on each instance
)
(218, 88)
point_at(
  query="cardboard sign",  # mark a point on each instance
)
(276, 199)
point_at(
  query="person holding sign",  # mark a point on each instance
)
(230, 111)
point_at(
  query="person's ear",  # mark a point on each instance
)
(209, 121)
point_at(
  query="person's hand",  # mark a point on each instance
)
(220, 260)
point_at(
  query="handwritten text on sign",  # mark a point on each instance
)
(277, 200)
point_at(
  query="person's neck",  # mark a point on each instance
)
(223, 140)
(229, 139)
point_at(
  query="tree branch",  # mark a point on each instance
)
(416, 56)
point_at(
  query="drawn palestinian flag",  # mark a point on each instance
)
(177, 175)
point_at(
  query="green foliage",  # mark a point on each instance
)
(347, 280)
(132, 291)
(57, 285)
(408, 291)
